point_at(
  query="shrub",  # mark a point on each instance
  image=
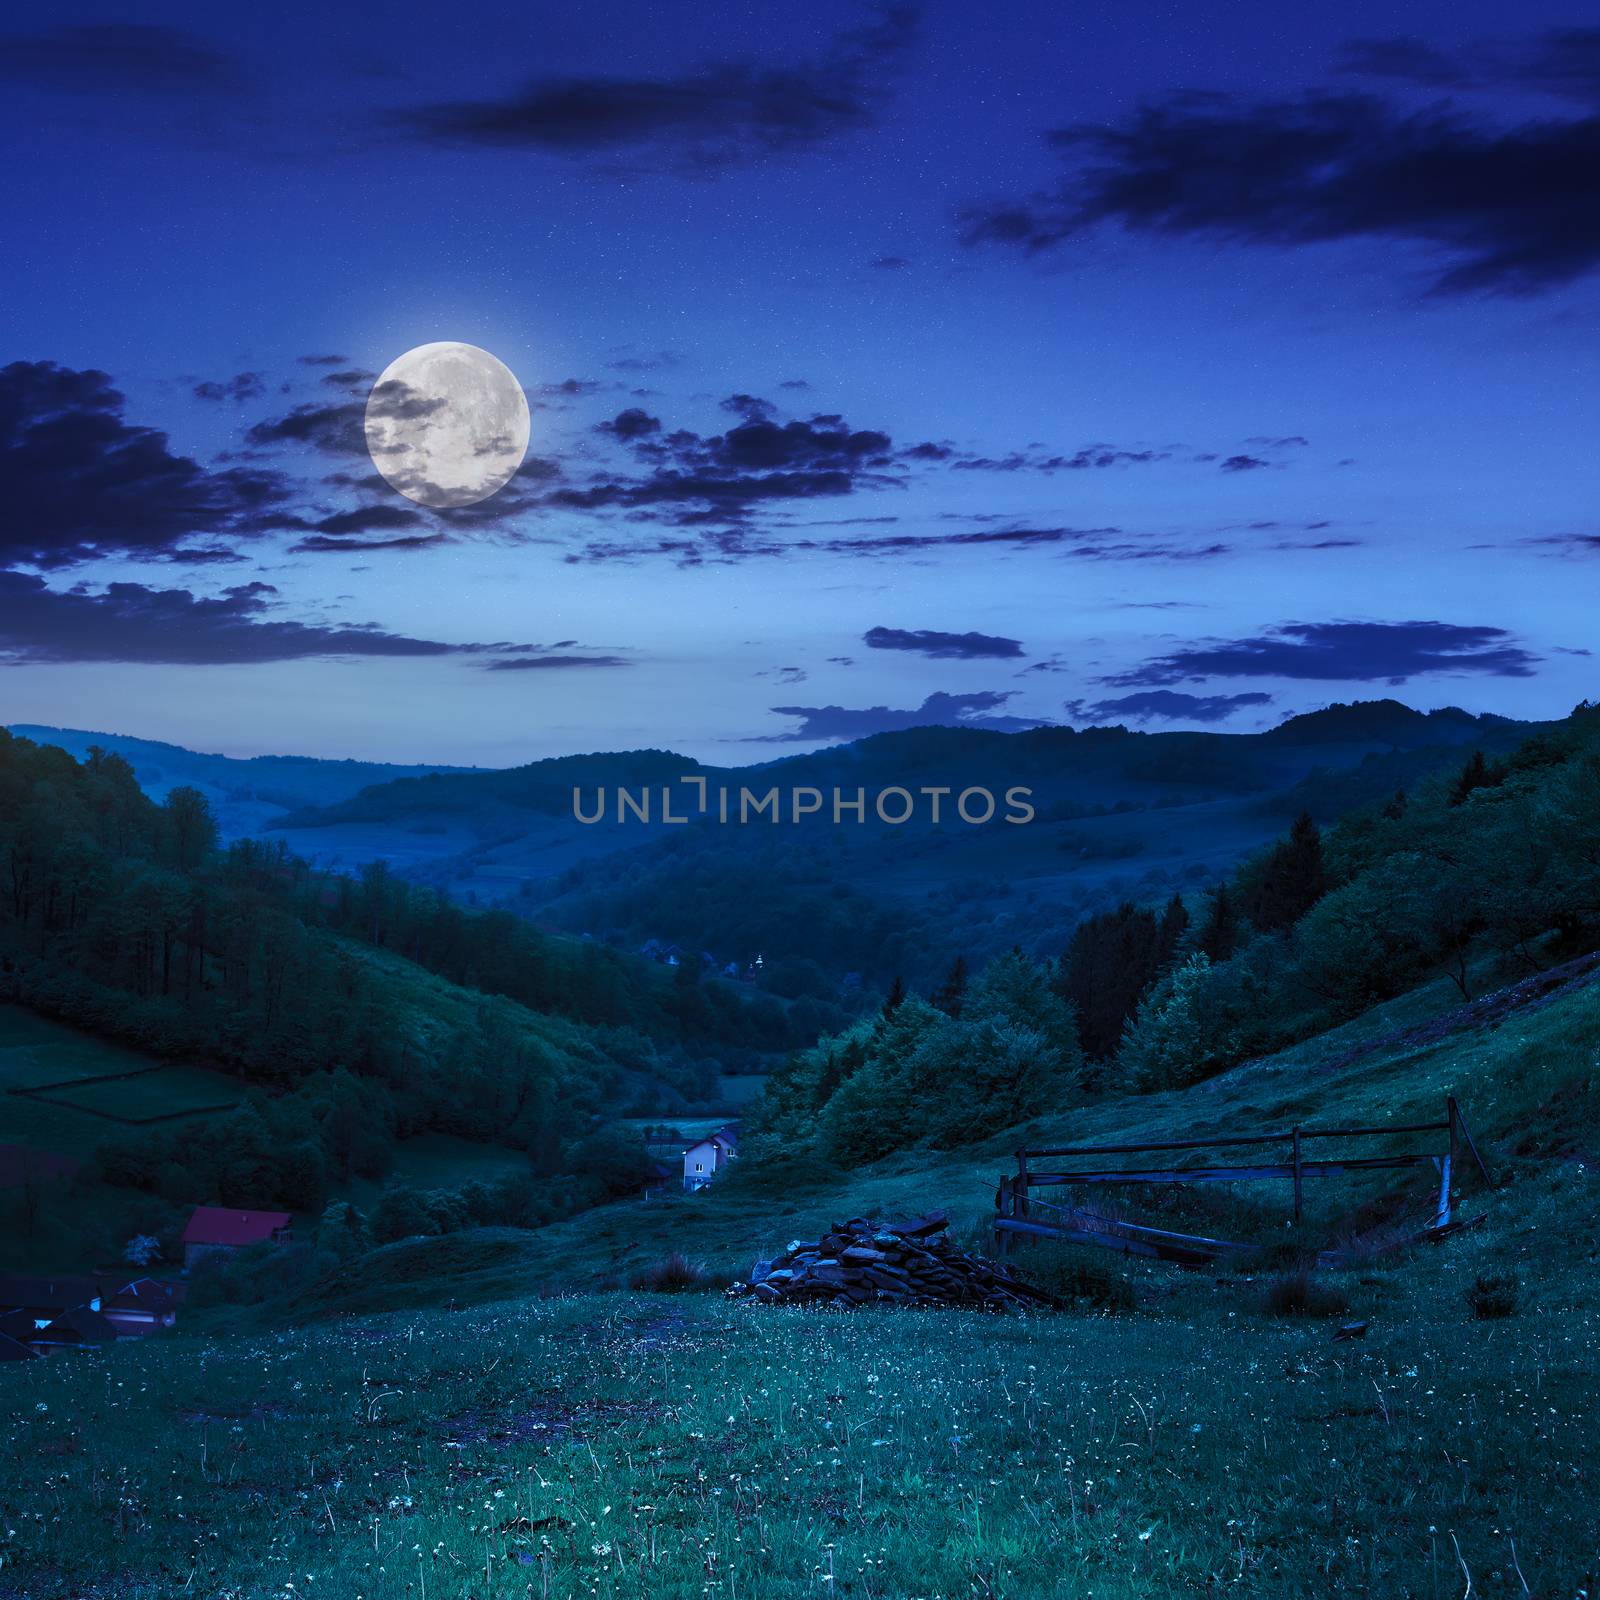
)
(1301, 1294)
(1072, 1276)
(671, 1275)
(1494, 1294)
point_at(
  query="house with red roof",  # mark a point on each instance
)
(214, 1228)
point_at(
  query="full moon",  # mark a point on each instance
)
(447, 424)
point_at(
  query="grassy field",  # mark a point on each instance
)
(35, 1051)
(166, 1092)
(611, 1445)
(437, 1161)
(1515, 1083)
(451, 1420)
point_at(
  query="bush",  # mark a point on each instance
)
(1301, 1294)
(1074, 1277)
(672, 1275)
(1494, 1294)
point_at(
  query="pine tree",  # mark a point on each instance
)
(950, 994)
(896, 996)
(1218, 937)
(1174, 924)
(1285, 883)
(1476, 774)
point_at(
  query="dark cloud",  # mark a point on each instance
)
(130, 622)
(571, 389)
(324, 361)
(1564, 62)
(544, 663)
(353, 380)
(715, 116)
(634, 423)
(1082, 544)
(796, 384)
(1244, 463)
(943, 646)
(1357, 652)
(1036, 460)
(337, 428)
(369, 519)
(242, 386)
(113, 57)
(1504, 208)
(625, 359)
(937, 711)
(1077, 544)
(335, 544)
(78, 481)
(717, 480)
(1578, 544)
(1164, 705)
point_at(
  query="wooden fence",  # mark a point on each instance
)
(1020, 1213)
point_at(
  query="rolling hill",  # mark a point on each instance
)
(1120, 815)
(246, 794)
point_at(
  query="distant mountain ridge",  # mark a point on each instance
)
(246, 792)
(1120, 814)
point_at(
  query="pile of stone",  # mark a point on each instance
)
(861, 1262)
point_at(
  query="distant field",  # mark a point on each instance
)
(34, 1051)
(168, 1091)
(740, 1088)
(438, 1161)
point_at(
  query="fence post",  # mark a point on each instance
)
(1453, 1117)
(1019, 1197)
(1296, 1137)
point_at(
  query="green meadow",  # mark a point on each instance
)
(486, 1414)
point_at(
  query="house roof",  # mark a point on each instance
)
(215, 1225)
(20, 1324)
(80, 1325)
(146, 1294)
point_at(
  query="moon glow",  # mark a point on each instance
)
(447, 424)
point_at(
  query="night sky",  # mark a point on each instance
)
(1176, 366)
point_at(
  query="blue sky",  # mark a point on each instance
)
(887, 365)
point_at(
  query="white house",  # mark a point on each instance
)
(703, 1160)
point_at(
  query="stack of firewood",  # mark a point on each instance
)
(860, 1262)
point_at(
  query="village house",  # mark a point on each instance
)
(704, 1159)
(142, 1306)
(693, 1163)
(214, 1228)
(42, 1314)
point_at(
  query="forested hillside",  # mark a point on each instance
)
(355, 1011)
(1120, 815)
(1490, 870)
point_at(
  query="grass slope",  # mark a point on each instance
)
(1515, 1081)
(608, 1444)
(611, 1445)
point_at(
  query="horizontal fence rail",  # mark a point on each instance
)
(1013, 1198)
